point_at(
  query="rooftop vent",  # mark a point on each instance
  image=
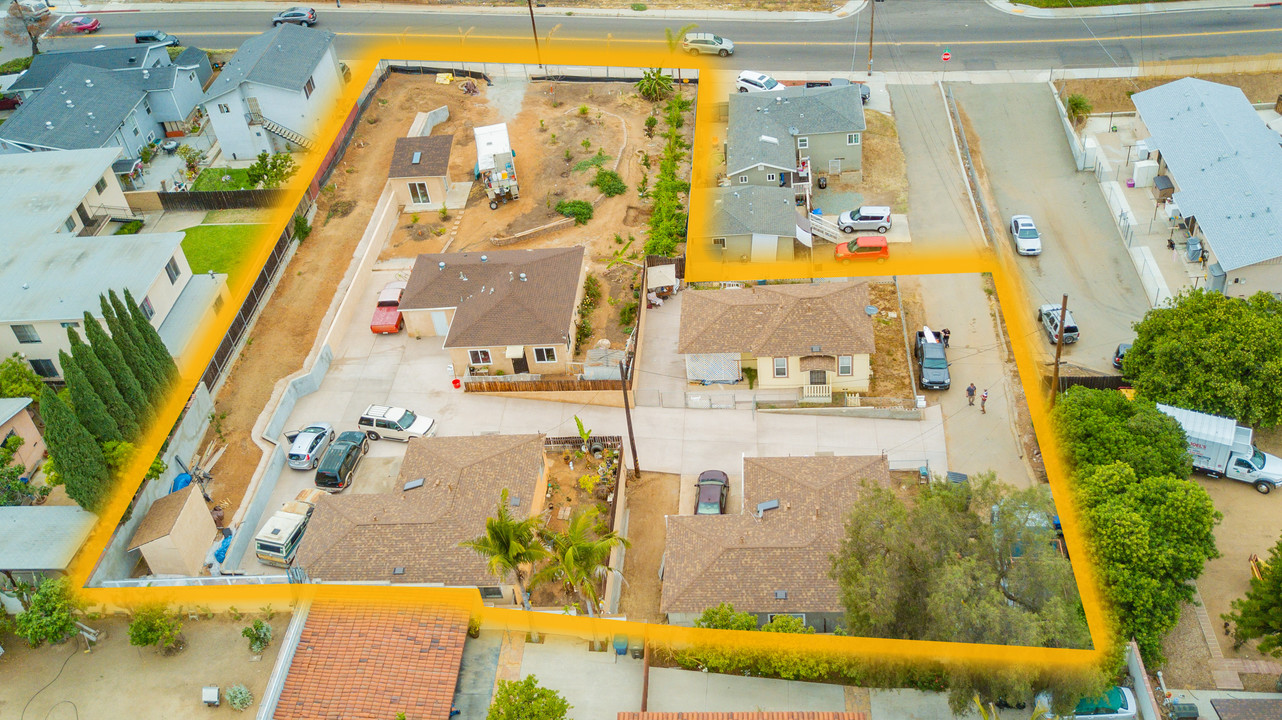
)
(514, 501)
(88, 82)
(792, 130)
(417, 157)
(484, 258)
(769, 139)
(523, 278)
(767, 505)
(398, 571)
(48, 125)
(412, 484)
(441, 264)
(781, 594)
(70, 104)
(146, 74)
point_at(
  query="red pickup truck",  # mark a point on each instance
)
(387, 314)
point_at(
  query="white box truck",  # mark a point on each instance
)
(1219, 446)
(278, 541)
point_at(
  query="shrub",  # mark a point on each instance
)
(650, 123)
(239, 697)
(14, 66)
(639, 7)
(155, 625)
(444, 213)
(609, 182)
(580, 210)
(49, 615)
(302, 228)
(654, 85)
(583, 110)
(1078, 107)
(259, 635)
(583, 332)
(591, 291)
(595, 161)
(130, 228)
(628, 313)
(146, 154)
(343, 208)
(586, 143)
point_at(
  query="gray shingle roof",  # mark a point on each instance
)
(747, 209)
(811, 111)
(42, 537)
(100, 101)
(46, 65)
(1226, 163)
(282, 57)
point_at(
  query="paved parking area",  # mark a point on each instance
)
(597, 684)
(673, 690)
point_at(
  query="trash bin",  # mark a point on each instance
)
(823, 183)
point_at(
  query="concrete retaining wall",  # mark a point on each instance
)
(1074, 144)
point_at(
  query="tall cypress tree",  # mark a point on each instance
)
(159, 352)
(90, 410)
(78, 457)
(105, 348)
(138, 360)
(100, 380)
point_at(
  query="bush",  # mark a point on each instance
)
(130, 228)
(628, 314)
(239, 697)
(15, 65)
(639, 7)
(583, 110)
(155, 625)
(583, 332)
(525, 700)
(302, 228)
(609, 183)
(591, 291)
(595, 161)
(580, 210)
(259, 635)
(654, 85)
(49, 615)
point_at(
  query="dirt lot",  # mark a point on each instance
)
(63, 682)
(890, 361)
(565, 492)
(1188, 662)
(884, 170)
(650, 497)
(1114, 94)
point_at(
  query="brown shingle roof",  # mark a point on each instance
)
(370, 662)
(778, 320)
(161, 517)
(1248, 708)
(494, 306)
(743, 560)
(434, 156)
(363, 538)
(784, 715)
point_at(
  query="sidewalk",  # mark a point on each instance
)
(1133, 9)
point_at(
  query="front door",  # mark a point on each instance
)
(440, 325)
(520, 365)
(818, 377)
(84, 215)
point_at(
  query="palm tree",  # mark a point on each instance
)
(674, 40)
(509, 545)
(580, 554)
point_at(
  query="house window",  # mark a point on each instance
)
(770, 177)
(146, 106)
(845, 365)
(803, 143)
(147, 309)
(743, 179)
(70, 324)
(191, 77)
(100, 185)
(222, 108)
(852, 138)
(70, 224)
(44, 368)
(171, 269)
(491, 593)
(309, 87)
(136, 133)
(781, 367)
(151, 136)
(418, 193)
(479, 357)
(26, 334)
(545, 355)
(719, 243)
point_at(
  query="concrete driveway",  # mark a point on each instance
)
(1031, 172)
(674, 690)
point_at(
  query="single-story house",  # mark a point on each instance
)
(501, 313)
(176, 533)
(778, 138)
(419, 172)
(16, 421)
(745, 715)
(39, 541)
(774, 558)
(449, 486)
(744, 223)
(1223, 162)
(814, 337)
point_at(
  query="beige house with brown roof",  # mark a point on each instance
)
(419, 172)
(412, 536)
(506, 312)
(774, 558)
(176, 534)
(813, 337)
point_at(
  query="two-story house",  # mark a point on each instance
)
(275, 92)
(781, 138)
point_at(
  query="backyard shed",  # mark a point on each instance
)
(176, 533)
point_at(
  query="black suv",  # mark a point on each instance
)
(932, 364)
(338, 467)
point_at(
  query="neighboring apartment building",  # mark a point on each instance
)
(1224, 163)
(779, 138)
(38, 541)
(275, 92)
(812, 337)
(69, 192)
(506, 312)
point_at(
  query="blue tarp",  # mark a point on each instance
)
(221, 553)
(180, 482)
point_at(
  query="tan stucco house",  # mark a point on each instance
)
(15, 420)
(506, 312)
(419, 173)
(176, 534)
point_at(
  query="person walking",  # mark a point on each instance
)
(983, 400)
(944, 335)
(970, 394)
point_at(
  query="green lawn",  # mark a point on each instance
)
(212, 179)
(221, 248)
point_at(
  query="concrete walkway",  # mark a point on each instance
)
(477, 675)
(1131, 9)
(675, 690)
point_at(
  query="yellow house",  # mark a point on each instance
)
(814, 337)
(506, 312)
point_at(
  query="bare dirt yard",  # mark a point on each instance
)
(885, 173)
(890, 361)
(651, 497)
(63, 682)
(1114, 94)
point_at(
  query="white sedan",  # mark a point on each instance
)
(1023, 231)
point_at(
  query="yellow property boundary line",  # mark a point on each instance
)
(556, 55)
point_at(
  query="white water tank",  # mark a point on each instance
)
(1145, 171)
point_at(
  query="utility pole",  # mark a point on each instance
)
(872, 16)
(627, 411)
(1059, 348)
(537, 53)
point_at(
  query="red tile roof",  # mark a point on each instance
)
(785, 715)
(371, 662)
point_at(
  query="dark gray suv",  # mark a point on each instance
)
(304, 16)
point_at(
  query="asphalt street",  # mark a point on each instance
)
(909, 34)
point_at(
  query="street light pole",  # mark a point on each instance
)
(535, 31)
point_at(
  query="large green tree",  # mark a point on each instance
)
(1213, 354)
(80, 461)
(1258, 616)
(121, 376)
(135, 353)
(509, 545)
(49, 616)
(101, 381)
(580, 555)
(1099, 427)
(90, 410)
(17, 379)
(160, 353)
(526, 700)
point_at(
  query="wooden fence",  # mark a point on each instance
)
(679, 261)
(1096, 382)
(574, 442)
(474, 385)
(219, 199)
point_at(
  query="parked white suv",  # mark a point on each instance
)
(704, 43)
(394, 423)
(1048, 316)
(868, 217)
(751, 81)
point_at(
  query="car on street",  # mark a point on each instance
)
(34, 9)
(752, 81)
(1024, 233)
(714, 488)
(338, 466)
(156, 37)
(867, 247)
(1048, 316)
(1118, 703)
(81, 24)
(309, 445)
(868, 217)
(387, 310)
(702, 43)
(1120, 354)
(394, 423)
(299, 15)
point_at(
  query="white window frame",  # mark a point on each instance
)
(849, 361)
(549, 354)
(101, 185)
(771, 177)
(775, 365)
(172, 270)
(136, 131)
(803, 143)
(719, 242)
(148, 311)
(479, 357)
(743, 179)
(70, 224)
(422, 186)
(223, 108)
(852, 138)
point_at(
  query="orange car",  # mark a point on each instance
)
(863, 248)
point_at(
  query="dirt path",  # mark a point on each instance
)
(651, 497)
(1114, 94)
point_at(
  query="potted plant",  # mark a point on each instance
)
(584, 433)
